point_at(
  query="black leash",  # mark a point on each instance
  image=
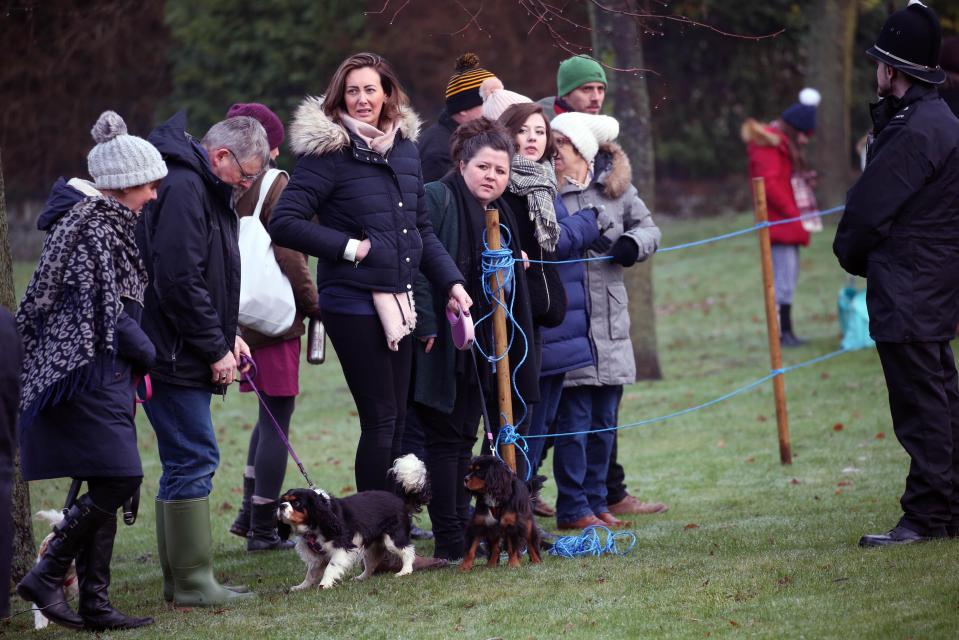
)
(486, 423)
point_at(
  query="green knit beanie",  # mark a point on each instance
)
(576, 71)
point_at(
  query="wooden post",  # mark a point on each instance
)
(772, 321)
(504, 390)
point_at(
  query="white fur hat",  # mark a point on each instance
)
(586, 131)
(120, 160)
(497, 99)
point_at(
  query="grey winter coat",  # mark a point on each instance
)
(624, 214)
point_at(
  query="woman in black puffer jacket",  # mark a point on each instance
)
(359, 174)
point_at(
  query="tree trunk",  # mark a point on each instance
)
(24, 549)
(831, 39)
(616, 41)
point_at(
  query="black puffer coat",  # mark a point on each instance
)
(188, 240)
(356, 193)
(901, 225)
(434, 146)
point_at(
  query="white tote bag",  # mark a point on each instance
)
(266, 296)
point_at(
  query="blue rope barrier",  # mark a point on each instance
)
(732, 394)
(501, 263)
(588, 543)
(705, 241)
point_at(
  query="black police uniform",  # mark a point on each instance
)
(901, 231)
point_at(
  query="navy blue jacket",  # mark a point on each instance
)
(9, 394)
(188, 240)
(567, 347)
(355, 194)
(900, 228)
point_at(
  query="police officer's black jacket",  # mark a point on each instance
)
(901, 225)
(188, 241)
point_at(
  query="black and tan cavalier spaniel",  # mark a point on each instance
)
(504, 513)
(334, 533)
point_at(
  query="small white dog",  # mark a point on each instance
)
(70, 587)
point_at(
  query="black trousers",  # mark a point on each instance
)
(924, 402)
(450, 438)
(379, 380)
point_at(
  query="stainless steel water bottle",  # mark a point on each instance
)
(316, 342)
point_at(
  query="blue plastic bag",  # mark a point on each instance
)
(854, 319)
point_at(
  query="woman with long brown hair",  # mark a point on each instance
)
(359, 175)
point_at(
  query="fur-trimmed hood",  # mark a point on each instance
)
(617, 175)
(312, 132)
(754, 132)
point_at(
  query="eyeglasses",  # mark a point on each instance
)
(561, 142)
(246, 177)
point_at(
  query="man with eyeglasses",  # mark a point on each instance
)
(188, 241)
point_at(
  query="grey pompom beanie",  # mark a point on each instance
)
(120, 160)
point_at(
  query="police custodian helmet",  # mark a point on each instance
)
(910, 42)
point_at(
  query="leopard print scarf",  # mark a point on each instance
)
(69, 312)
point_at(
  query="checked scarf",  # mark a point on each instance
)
(537, 182)
(69, 312)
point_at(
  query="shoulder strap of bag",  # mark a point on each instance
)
(268, 179)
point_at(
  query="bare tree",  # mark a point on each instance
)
(831, 38)
(616, 41)
(24, 548)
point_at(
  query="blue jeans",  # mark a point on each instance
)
(185, 438)
(544, 412)
(580, 462)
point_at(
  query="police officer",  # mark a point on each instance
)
(901, 231)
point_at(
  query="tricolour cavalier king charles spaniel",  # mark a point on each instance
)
(504, 512)
(334, 533)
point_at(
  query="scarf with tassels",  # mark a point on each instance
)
(69, 312)
(537, 183)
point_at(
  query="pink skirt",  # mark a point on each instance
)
(277, 369)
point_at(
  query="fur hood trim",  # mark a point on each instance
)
(313, 133)
(617, 178)
(754, 132)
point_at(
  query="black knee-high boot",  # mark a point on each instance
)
(43, 586)
(93, 574)
(786, 336)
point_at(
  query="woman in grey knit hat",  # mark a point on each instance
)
(82, 351)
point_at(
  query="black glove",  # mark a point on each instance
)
(601, 244)
(624, 251)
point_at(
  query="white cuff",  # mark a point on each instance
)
(349, 254)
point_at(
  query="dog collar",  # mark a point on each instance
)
(312, 543)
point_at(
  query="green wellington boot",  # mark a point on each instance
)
(188, 546)
(161, 551)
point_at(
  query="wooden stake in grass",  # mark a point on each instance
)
(772, 321)
(504, 390)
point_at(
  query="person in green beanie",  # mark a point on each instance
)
(580, 86)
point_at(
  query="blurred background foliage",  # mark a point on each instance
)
(67, 60)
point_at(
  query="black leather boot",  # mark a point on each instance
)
(786, 336)
(263, 535)
(93, 574)
(241, 525)
(43, 586)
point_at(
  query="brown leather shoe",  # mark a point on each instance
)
(544, 509)
(612, 521)
(582, 523)
(632, 504)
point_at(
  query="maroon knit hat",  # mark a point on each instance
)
(262, 114)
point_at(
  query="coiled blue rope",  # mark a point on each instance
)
(589, 543)
(498, 275)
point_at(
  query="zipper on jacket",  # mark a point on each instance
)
(176, 347)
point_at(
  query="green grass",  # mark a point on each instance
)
(749, 547)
